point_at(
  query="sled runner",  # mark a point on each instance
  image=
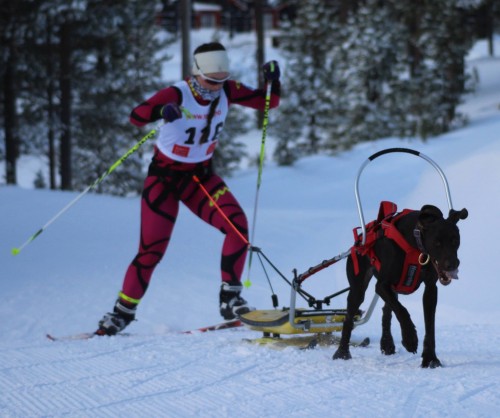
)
(317, 320)
(303, 342)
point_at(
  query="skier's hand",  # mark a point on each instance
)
(271, 71)
(171, 112)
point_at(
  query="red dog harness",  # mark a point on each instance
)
(385, 226)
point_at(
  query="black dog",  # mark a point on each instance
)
(436, 240)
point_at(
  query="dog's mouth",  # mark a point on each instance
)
(445, 277)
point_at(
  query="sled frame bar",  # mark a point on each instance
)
(306, 325)
(388, 151)
(310, 299)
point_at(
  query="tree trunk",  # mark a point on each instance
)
(10, 117)
(51, 136)
(259, 28)
(50, 105)
(415, 55)
(185, 6)
(65, 85)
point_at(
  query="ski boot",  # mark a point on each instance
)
(116, 321)
(232, 305)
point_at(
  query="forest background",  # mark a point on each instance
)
(353, 71)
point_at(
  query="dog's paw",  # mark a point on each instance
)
(410, 346)
(342, 354)
(410, 339)
(387, 346)
(431, 363)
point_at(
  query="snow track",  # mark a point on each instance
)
(219, 375)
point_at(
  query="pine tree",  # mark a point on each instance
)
(120, 66)
(437, 42)
(39, 97)
(16, 25)
(85, 64)
(358, 71)
(307, 99)
(447, 48)
(364, 68)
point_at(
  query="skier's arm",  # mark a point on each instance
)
(239, 93)
(149, 111)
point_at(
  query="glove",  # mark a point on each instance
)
(271, 71)
(171, 112)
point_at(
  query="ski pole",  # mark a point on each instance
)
(148, 136)
(216, 205)
(247, 283)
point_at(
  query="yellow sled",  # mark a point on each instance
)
(278, 321)
(301, 321)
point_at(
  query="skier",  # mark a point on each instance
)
(194, 111)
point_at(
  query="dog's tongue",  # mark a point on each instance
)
(452, 274)
(448, 276)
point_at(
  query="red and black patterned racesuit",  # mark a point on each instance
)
(184, 148)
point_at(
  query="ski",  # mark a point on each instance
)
(234, 323)
(74, 337)
(88, 335)
(83, 336)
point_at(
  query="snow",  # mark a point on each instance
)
(69, 276)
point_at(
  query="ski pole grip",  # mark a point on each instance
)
(389, 150)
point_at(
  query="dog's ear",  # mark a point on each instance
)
(456, 215)
(429, 214)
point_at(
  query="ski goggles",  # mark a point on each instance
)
(210, 80)
(214, 81)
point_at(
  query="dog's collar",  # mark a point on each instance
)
(424, 257)
(417, 233)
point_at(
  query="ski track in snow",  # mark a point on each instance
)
(218, 374)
